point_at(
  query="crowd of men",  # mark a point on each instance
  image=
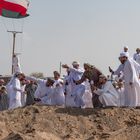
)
(80, 87)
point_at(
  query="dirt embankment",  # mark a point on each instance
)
(55, 123)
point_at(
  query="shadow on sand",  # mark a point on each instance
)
(81, 112)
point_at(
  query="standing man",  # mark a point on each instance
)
(16, 91)
(118, 72)
(126, 49)
(77, 91)
(16, 64)
(131, 81)
(136, 56)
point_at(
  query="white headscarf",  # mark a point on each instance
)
(126, 54)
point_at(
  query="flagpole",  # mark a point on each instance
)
(13, 49)
(60, 68)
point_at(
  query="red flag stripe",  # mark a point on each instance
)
(1, 2)
(12, 7)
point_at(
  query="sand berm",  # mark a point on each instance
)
(56, 123)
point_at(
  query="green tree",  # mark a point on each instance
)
(37, 74)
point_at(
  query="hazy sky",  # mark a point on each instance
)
(93, 31)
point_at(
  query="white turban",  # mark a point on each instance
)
(126, 54)
(75, 63)
(126, 47)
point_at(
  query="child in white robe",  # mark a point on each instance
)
(58, 97)
(87, 97)
(69, 100)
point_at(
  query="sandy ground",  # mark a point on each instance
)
(56, 123)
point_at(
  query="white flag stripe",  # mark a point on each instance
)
(23, 3)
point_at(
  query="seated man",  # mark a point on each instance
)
(30, 90)
(3, 96)
(49, 95)
(108, 96)
(44, 91)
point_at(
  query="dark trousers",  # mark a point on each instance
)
(95, 101)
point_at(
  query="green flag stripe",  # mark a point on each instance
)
(11, 14)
